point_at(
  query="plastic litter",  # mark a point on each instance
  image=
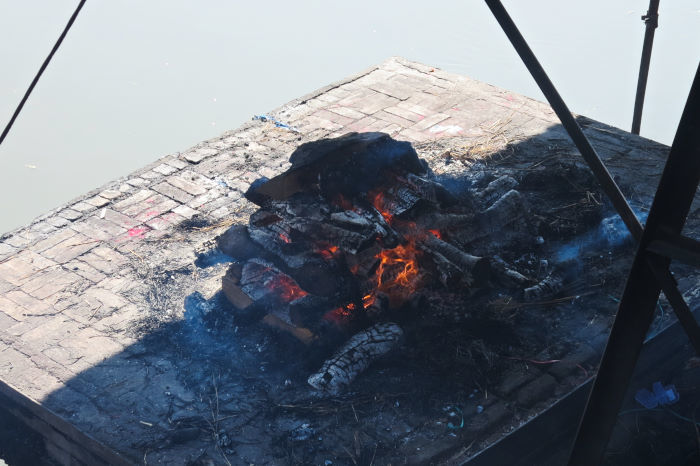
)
(658, 396)
(276, 122)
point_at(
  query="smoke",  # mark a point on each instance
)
(611, 233)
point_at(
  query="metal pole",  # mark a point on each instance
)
(667, 215)
(567, 120)
(651, 19)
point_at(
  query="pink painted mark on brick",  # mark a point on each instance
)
(135, 233)
(148, 215)
(510, 97)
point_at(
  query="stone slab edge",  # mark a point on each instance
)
(64, 441)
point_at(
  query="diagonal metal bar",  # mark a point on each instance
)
(680, 248)
(667, 215)
(568, 121)
(683, 312)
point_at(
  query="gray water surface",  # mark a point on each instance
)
(136, 80)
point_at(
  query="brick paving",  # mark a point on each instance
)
(71, 282)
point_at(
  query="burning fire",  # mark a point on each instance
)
(286, 288)
(378, 201)
(397, 275)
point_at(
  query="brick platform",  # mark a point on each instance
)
(78, 280)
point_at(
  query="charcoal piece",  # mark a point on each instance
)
(351, 220)
(235, 294)
(492, 222)
(302, 334)
(348, 240)
(448, 273)
(229, 285)
(276, 240)
(496, 189)
(236, 242)
(548, 287)
(476, 269)
(507, 209)
(507, 276)
(355, 356)
(443, 221)
(364, 263)
(350, 165)
(398, 200)
(308, 310)
(431, 190)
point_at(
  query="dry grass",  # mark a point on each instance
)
(496, 139)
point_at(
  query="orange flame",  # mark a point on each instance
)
(436, 233)
(286, 288)
(378, 202)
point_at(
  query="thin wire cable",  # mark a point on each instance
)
(41, 70)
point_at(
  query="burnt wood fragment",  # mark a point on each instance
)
(548, 287)
(355, 356)
(475, 269)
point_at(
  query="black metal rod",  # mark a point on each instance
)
(567, 119)
(667, 215)
(41, 71)
(651, 19)
(681, 248)
(680, 307)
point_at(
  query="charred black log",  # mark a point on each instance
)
(548, 287)
(497, 188)
(507, 276)
(476, 270)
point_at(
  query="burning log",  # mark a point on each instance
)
(355, 356)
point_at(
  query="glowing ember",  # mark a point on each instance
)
(328, 252)
(436, 233)
(285, 238)
(285, 288)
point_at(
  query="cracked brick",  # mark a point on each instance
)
(172, 192)
(70, 248)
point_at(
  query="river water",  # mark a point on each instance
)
(136, 80)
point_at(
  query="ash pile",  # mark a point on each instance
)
(349, 241)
